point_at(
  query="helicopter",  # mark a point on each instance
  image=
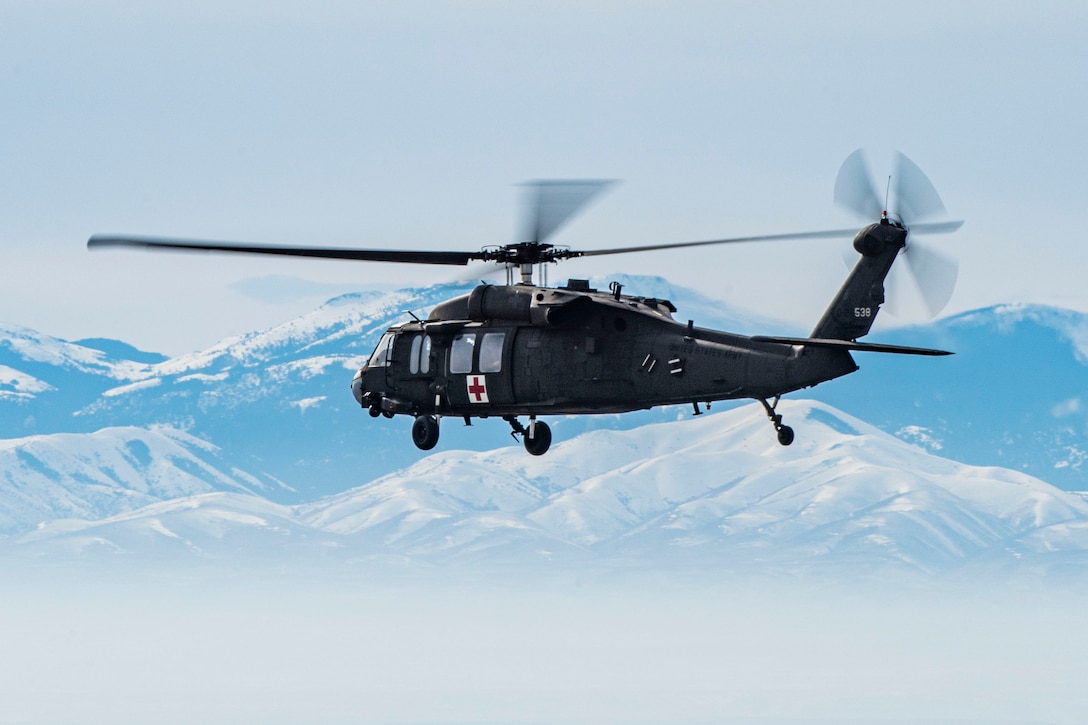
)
(526, 350)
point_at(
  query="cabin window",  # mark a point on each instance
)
(413, 356)
(425, 355)
(491, 352)
(419, 357)
(461, 353)
(380, 357)
(417, 345)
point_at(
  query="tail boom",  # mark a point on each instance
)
(852, 313)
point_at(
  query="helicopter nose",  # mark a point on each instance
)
(357, 388)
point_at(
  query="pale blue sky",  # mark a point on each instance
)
(409, 125)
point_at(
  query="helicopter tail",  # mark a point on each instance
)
(852, 313)
(854, 309)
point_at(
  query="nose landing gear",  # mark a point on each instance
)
(425, 432)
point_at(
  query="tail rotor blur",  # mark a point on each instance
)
(924, 284)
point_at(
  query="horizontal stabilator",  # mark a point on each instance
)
(850, 345)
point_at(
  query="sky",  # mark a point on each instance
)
(411, 125)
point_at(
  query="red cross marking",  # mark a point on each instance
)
(478, 388)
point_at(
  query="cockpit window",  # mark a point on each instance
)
(380, 357)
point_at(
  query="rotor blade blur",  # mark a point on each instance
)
(406, 256)
(854, 188)
(902, 299)
(934, 273)
(830, 234)
(478, 272)
(553, 203)
(915, 197)
(920, 283)
(936, 227)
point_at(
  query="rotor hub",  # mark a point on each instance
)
(875, 239)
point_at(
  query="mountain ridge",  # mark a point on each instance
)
(270, 413)
(703, 493)
(109, 471)
(985, 405)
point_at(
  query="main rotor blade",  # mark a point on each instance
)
(553, 203)
(407, 256)
(830, 234)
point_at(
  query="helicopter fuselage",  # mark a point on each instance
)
(527, 350)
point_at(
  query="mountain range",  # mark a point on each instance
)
(105, 443)
(710, 492)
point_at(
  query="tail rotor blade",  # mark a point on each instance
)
(921, 285)
(915, 198)
(935, 274)
(854, 188)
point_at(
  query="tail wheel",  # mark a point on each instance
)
(541, 439)
(425, 432)
(785, 435)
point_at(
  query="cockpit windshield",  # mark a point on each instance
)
(380, 357)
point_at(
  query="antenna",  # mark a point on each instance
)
(887, 191)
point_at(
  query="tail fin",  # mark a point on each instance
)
(854, 309)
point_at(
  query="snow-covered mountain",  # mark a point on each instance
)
(44, 381)
(95, 475)
(1015, 394)
(97, 430)
(716, 488)
(199, 527)
(278, 400)
(711, 493)
(1011, 396)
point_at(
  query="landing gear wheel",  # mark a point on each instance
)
(425, 432)
(785, 433)
(541, 440)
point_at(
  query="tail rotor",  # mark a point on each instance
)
(924, 284)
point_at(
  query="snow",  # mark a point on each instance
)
(204, 377)
(704, 492)
(20, 384)
(1073, 326)
(132, 387)
(90, 476)
(32, 346)
(711, 488)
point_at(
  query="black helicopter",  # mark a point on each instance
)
(528, 350)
